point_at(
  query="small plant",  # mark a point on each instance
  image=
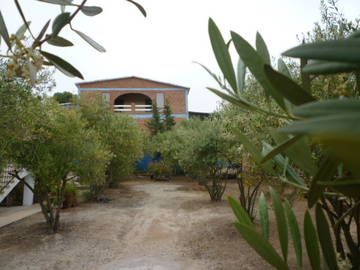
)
(160, 170)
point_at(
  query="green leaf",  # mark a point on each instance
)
(311, 242)
(43, 31)
(222, 54)
(62, 65)
(89, 40)
(142, 10)
(234, 100)
(326, 171)
(264, 216)
(326, 67)
(280, 222)
(287, 87)
(241, 75)
(295, 232)
(59, 22)
(328, 107)
(326, 242)
(58, 2)
(281, 148)
(240, 213)
(283, 69)
(350, 188)
(213, 75)
(91, 10)
(22, 30)
(250, 147)
(60, 42)
(255, 64)
(261, 246)
(281, 162)
(343, 125)
(262, 49)
(299, 152)
(343, 50)
(3, 31)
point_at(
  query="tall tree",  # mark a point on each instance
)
(64, 97)
(169, 121)
(155, 125)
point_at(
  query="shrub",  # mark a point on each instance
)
(160, 170)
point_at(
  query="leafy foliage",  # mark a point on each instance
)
(64, 97)
(330, 126)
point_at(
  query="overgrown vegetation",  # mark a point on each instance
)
(56, 145)
(202, 149)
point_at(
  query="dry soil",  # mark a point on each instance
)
(147, 225)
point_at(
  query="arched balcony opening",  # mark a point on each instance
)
(133, 103)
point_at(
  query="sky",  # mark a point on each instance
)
(164, 45)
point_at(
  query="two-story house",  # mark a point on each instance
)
(135, 96)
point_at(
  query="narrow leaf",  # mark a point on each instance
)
(91, 10)
(326, 67)
(264, 216)
(22, 30)
(343, 50)
(58, 2)
(142, 10)
(62, 64)
(262, 49)
(3, 31)
(299, 152)
(350, 188)
(281, 148)
(240, 213)
(328, 107)
(295, 232)
(213, 75)
(89, 40)
(234, 100)
(283, 68)
(60, 42)
(311, 242)
(326, 242)
(43, 31)
(255, 64)
(261, 246)
(287, 87)
(280, 222)
(59, 22)
(222, 54)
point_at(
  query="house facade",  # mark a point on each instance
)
(134, 96)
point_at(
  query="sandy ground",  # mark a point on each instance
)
(147, 225)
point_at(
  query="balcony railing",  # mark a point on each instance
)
(132, 108)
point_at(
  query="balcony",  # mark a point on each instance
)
(133, 108)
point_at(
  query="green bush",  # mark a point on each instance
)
(160, 170)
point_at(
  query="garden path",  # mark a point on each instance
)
(148, 225)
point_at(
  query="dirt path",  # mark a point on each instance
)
(148, 225)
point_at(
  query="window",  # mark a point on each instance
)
(106, 99)
(160, 100)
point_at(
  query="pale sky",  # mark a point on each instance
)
(164, 45)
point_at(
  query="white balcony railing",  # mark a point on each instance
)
(132, 108)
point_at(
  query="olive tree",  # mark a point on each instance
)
(121, 135)
(56, 148)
